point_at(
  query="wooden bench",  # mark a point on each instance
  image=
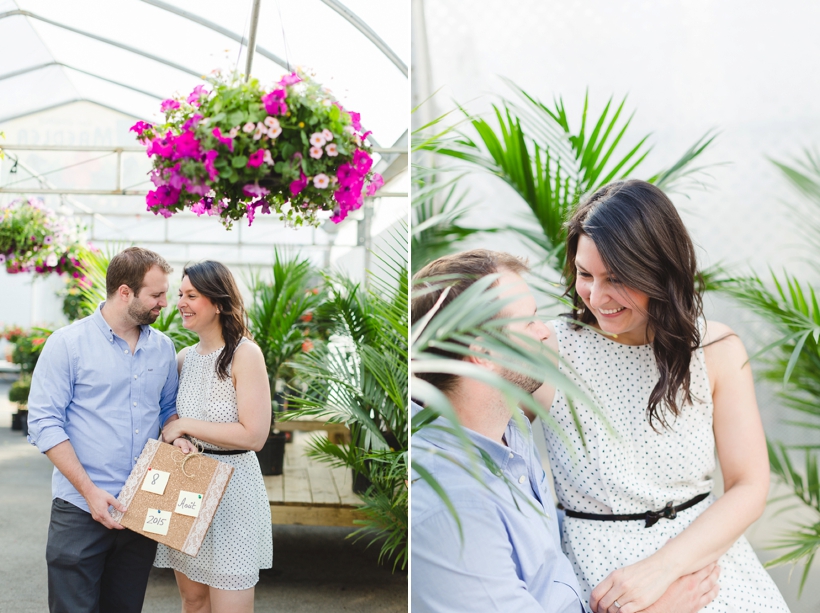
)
(311, 493)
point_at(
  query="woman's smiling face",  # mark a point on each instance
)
(619, 310)
(197, 311)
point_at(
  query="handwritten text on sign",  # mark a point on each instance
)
(157, 521)
(188, 503)
(155, 481)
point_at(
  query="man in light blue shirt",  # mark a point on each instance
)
(102, 387)
(504, 554)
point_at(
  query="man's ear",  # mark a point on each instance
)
(123, 292)
(477, 359)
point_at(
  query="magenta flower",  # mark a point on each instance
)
(192, 122)
(187, 146)
(298, 185)
(163, 196)
(366, 134)
(362, 161)
(210, 156)
(256, 158)
(225, 140)
(169, 105)
(375, 184)
(140, 127)
(254, 190)
(251, 210)
(194, 96)
(291, 79)
(162, 147)
(355, 120)
(275, 102)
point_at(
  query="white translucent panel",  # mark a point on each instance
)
(33, 91)
(16, 33)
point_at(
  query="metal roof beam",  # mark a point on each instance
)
(66, 103)
(362, 27)
(217, 28)
(102, 39)
(90, 74)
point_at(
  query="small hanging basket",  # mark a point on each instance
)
(239, 149)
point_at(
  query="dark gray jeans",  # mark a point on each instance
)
(93, 569)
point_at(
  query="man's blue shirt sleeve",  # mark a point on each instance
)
(52, 388)
(168, 397)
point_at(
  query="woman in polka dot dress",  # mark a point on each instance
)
(672, 388)
(223, 405)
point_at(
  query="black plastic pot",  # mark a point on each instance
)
(15, 421)
(272, 456)
(24, 422)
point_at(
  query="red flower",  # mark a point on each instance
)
(307, 345)
(306, 317)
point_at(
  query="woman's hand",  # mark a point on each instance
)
(174, 429)
(184, 444)
(634, 587)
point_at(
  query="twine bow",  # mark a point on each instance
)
(184, 457)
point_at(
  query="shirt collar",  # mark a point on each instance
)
(99, 320)
(500, 454)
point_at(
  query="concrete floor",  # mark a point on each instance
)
(315, 569)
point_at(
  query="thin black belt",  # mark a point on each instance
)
(651, 517)
(226, 451)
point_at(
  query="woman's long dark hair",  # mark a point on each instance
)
(214, 281)
(644, 244)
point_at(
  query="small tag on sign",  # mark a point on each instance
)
(188, 503)
(157, 521)
(155, 481)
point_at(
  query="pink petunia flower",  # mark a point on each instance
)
(169, 105)
(327, 134)
(375, 184)
(194, 96)
(297, 186)
(256, 158)
(192, 122)
(254, 190)
(331, 150)
(317, 140)
(210, 156)
(316, 152)
(275, 102)
(268, 159)
(225, 140)
(140, 127)
(362, 161)
(321, 181)
(355, 120)
(249, 127)
(234, 131)
(291, 79)
(259, 131)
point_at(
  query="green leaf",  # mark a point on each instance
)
(239, 161)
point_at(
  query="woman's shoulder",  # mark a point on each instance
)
(247, 351)
(717, 334)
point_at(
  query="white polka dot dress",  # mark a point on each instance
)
(629, 468)
(239, 541)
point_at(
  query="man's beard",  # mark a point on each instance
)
(142, 317)
(526, 383)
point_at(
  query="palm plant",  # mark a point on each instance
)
(535, 150)
(281, 311)
(359, 378)
(793, 361)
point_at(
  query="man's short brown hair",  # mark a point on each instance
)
(461, 270)
(129, 268)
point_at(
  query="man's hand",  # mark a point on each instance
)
(98, 502)
(690, 593)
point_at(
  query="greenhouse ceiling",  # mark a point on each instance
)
(90, 61)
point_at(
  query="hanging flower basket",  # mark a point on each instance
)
(238, 149)
(34, 238)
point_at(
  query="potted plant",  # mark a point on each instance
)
(27, 348)
(280, 318)
(240, 148)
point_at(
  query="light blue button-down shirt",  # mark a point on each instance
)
(89, 389)
(510, 558)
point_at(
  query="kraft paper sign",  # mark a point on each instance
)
(171, 502)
